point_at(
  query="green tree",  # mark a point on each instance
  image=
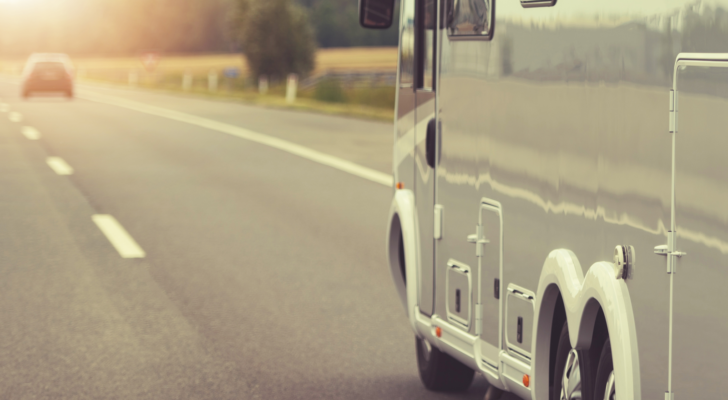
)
(275, 36)
(336, 23)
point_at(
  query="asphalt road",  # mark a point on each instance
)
(264, 276)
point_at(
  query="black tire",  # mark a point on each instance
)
(439, 371)
(604, 370)
(25, 95)
(586, 370)
(69, 94)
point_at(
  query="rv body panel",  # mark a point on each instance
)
(563, 119)
(700, 315)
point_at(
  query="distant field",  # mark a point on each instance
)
(372, 100)
(339, 59)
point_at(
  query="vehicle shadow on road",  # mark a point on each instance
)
(406, 388)
(475, 392)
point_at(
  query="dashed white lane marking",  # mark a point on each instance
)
(4, 107)
(280, 144)
(15, 116)
(59, 165)
(118, 236)
(31, 133)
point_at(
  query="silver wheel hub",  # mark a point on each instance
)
(610, 392)
(571, 380)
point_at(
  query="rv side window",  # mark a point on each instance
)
(470, 19)
(407, 45)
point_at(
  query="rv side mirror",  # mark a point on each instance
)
(376, 14)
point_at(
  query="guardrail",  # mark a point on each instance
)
(353, 78)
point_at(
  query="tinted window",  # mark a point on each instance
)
(48, 66)
(407, 44)
(426, 16)
(469, 17)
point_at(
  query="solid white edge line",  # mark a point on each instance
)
(31, 133)
(59, 166)
(118, 236)
(280, 144)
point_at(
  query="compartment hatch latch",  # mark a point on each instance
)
(479, 239)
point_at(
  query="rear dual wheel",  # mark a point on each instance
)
(604, 388)
(577, 378)
(439, 371)
(571, 372)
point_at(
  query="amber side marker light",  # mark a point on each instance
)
(400, 185)
(438, 331)
(526, 380)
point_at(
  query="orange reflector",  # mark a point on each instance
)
(438, 331)
(526, 380)
(400, 185)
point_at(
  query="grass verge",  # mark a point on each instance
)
(366, 103)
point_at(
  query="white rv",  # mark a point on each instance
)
(560, 217)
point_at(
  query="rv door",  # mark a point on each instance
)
(425, 135)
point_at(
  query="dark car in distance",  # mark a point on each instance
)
(47, 72)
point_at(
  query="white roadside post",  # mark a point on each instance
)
(187, 81)
(291, 87)
(212, 81)
(150, 61)
(133, 78)
(263, 84)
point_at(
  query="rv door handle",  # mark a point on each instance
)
(474, 239)
(430, 143)
(479, 243)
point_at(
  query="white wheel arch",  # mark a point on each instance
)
(582, 296)
(403, 210)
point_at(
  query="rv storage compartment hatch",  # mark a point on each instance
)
(519, 320)
(458, 293)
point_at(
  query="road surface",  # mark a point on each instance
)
(258, 274)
